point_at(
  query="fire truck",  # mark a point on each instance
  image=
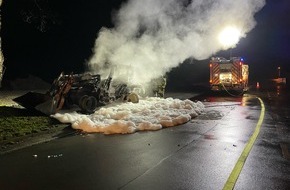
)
(228, 74)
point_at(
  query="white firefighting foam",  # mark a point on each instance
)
(149, 114)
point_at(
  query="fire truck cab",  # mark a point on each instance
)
(229, 74)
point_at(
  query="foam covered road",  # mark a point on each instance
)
(197, 155)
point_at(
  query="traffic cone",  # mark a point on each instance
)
(258, 85)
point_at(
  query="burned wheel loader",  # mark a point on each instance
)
(85, 92)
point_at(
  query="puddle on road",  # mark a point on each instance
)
(211, 115)
(210, 137)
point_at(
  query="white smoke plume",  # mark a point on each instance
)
(151, 37)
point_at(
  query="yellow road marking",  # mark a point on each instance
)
(241, 161)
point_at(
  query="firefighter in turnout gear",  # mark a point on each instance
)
(159, 85)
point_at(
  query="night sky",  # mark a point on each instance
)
(48, 37)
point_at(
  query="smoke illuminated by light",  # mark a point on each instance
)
(229, 37)
(151, 37)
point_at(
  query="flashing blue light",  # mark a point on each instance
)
(242, 59)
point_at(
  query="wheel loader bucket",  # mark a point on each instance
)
(37, 102)
(48, 107)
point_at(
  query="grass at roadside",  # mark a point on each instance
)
(17, 124)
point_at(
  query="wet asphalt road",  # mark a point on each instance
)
(198, 155)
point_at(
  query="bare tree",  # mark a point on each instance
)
(39, 13)
(2, 68)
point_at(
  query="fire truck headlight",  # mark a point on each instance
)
(226, 76)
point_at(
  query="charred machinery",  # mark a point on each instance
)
(84, 91)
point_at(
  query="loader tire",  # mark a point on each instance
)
(133, 97)
(88, 104)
